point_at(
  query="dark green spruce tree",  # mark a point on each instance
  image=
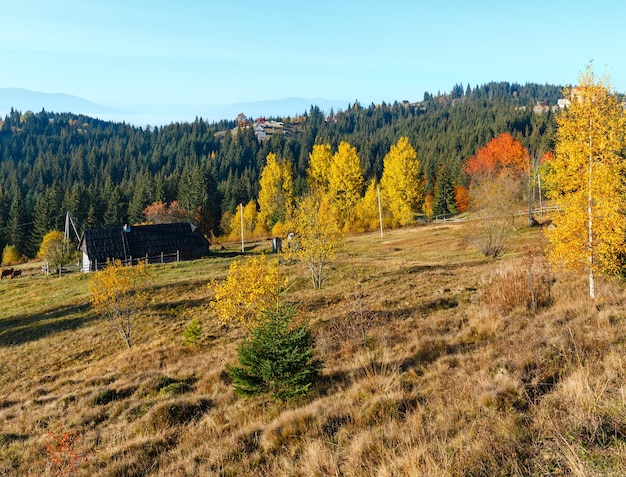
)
(17, 225)
(276, 359)
(47, 217)
(443, 201)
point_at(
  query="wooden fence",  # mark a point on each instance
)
(150, 259)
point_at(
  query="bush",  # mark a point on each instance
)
(276, 359)
(117, 293)
(10, 255)
(251, 287)
(526, 286)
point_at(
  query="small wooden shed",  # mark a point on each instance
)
(158, 243)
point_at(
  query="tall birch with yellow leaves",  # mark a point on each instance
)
(401, 185)
(276, 193)
(345, 182)
(587, 182)
(318, 233)
(320, 160)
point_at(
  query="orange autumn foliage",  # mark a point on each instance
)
(547, 157)
(502, 153)
(161, 213)
(461, 198)
(427, 206)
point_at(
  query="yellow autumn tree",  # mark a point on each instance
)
(345, 182)
(56, 249)
(427, 206)
(10, 255)
(587, 181)
(401, 185)
(275, 194)
(318, 171)
(318, 234)
(252, 287)
(118, 293)
(367, 216)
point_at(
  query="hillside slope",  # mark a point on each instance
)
(106, 173)
(422, 376)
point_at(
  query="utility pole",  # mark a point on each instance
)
(380, 215)
(243, 248)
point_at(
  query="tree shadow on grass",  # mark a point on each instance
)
(340, 380)
(447, 267)
(22, 329)
(179, 304)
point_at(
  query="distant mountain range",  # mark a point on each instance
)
(26, 100)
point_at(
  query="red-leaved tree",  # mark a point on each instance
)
(499, 172)
(160, 213)
(502, 153)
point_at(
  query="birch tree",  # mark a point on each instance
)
(587, 182)
(345, 181)
(318, 235)
(118, 293)
(276, 193)
(401, 185)
(56, 249)
(319, 167)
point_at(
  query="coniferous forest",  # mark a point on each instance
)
(106, 173)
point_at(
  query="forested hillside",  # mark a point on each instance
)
(106, 173)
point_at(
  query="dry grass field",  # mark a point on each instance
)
(431, 368)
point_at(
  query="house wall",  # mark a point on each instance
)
(86, 264)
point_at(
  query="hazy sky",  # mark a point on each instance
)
(184, 53)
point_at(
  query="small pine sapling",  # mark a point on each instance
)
(192, 332)
(276, 359)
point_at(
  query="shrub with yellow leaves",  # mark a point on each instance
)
(117, 293)
(251, 287)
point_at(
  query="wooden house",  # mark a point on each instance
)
(158, 243)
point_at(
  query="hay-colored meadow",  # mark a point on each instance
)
(424, 372)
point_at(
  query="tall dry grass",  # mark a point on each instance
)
(422, 376)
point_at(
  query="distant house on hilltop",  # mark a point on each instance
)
(158, 243)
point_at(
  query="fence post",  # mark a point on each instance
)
(178, 255)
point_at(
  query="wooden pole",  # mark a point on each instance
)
(380, 215)
(243, 248)
(540, 204)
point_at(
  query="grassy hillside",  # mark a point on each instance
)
(427, 372)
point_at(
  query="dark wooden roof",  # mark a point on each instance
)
(100, 244)
(142, 240)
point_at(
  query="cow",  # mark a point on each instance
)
(6, 273)
(16, 274)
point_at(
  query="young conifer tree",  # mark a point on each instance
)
(276, 359)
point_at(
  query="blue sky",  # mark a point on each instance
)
(188, 56)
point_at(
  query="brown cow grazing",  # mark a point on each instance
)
(6, 273)
(16, 274)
